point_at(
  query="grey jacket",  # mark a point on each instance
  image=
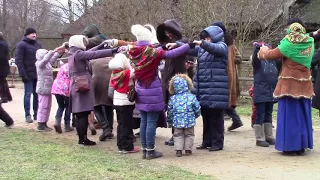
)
(45, 74)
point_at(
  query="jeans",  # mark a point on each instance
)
(30, 88)
(213, 128)
(264, 112)
(148, 126)
(63, 106)
(231, 112)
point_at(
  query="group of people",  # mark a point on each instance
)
(149, 80)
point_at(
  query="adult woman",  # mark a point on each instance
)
(83, 101)
(294, 90)
(150, 102)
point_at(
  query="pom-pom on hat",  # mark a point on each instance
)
(141, 33)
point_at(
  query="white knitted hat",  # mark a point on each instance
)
(154, 39)
(120, 61)
(40, 54)
(77, 41)
(141, 33)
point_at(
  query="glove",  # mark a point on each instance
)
(25, 79)
(110, 43)
(192, 45)
(114, 50)
(123, 49)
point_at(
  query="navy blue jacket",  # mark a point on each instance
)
(265, 78)
(25, 57)
(211, 78)
(4, 58)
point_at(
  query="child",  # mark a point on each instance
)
(121, 80)
(265, 75)
(45, 59)
(61, 90)
(183, 109)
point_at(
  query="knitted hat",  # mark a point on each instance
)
(141, 33)
(77, 41)
(120, 61)
(40, 54)
(154, 39)
(219, 24)
(29, 31)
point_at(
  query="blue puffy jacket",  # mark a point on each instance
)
(211, 78)
(265, 78)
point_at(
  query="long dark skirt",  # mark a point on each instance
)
(294, 124)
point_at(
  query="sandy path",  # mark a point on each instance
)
(240, 159)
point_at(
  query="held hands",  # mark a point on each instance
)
(60, 49)
(171, 45)
(110, 43)
(263, 48)
(198, 43)
(123, 49)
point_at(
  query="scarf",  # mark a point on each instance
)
(120, 80)
(145, 61)
(298, 45)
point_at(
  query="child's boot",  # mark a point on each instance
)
(188, 152)
(260, 138)
(269, 134)
(41, 127)
(179, 153)
(57, 125)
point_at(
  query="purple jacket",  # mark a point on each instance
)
(150, 99)
(83, 101)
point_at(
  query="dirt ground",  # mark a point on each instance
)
(240, 158)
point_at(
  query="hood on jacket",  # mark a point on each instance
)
(179, 84)
(120, 61)
(216, 33)
(91, 30)
(171, 26)
(219, 24)
(40, 54)
(26, 39)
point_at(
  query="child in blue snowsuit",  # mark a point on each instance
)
(183, 110)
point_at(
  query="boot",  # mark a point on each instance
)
(179, 153)
(68, 128)
(170, 142)
(152, 154)
(188, 152)
(269, 134)
(47, 127)
(57, 125)
(9, 123)
(144, 153)
(235, 125)
(260, 138)
(88, 142)
(41, 127)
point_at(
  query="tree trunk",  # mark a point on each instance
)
(71, 17)
(4, 14)
(85, 6)
(25, 14)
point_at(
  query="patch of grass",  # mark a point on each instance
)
(31, 155)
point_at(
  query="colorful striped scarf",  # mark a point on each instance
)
(120, 80)
(145, 61)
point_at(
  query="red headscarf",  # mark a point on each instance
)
(145, 61)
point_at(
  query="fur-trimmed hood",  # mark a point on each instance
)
(179, 84)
